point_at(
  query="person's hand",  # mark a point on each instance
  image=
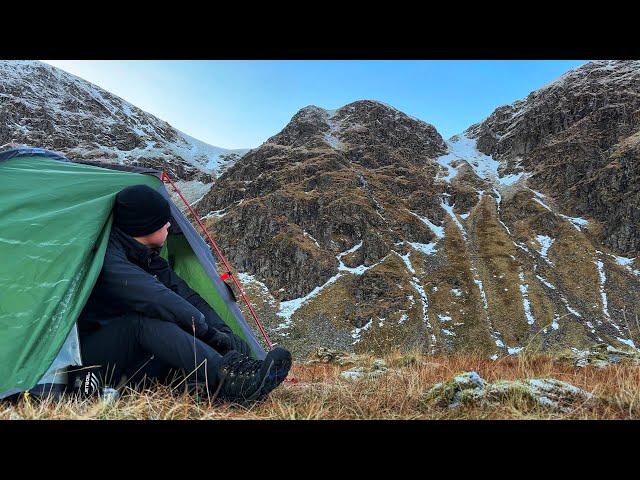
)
(221, 342)
(225, 342)
(240, 345)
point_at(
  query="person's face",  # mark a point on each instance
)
(157, 238)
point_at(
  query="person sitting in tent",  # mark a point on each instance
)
(143, 318)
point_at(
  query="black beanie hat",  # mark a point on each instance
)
(140, 210)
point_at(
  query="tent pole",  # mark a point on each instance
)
(227, 266)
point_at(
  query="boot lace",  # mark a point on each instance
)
(241, 366)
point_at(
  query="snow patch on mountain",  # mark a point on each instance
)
(214, 159)
(357, 332)
(462, 148)
(627, 263)
(435, 229)
(545, 282)
(449, 209)
(545, 243)
(603, 293)
(524, 290)
(426, 248)
(577, 222)
(192, 190)
(289, 307)
(334, 125)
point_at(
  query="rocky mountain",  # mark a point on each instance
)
(578, 138)
(362, 229)
(43, 106)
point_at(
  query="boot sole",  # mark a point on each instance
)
(274, 383)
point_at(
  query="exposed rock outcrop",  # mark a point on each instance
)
(601, 355)
(468, 389)
(579, 136)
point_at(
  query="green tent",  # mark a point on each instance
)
(55, 220)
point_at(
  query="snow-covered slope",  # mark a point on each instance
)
(43, 106)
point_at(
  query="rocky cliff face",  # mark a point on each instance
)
(361, 228)
(326, 182)
(578, 139)
(43, 106)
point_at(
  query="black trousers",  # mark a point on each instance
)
(146, 348)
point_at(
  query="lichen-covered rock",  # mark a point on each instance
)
(545, 392)
(469, 388)
(461, 389)
(600, 355)
(377, 369)
(379, 364)
(328, 355)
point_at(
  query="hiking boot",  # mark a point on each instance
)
(279, 361)
(244, 380)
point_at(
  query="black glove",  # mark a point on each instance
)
(240, 345)
(221, 342)
(225, 342)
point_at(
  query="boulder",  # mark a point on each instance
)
(600, 355)
(328, 355)
(470, 389)
(377, 369)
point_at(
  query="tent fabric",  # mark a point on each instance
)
(55, 220)
(68, 355)
(31, 152)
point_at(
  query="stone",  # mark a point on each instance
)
(379, 364)
(469, 388)
(376, 369)
(109, 396)
(546, 392)
(460, 389)
(328, 355)
(600, 355)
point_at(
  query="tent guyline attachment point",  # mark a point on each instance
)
(166, 178)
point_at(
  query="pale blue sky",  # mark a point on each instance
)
(239, 104)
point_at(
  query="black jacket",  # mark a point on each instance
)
(135, 278)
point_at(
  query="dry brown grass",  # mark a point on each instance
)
(322, 394)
